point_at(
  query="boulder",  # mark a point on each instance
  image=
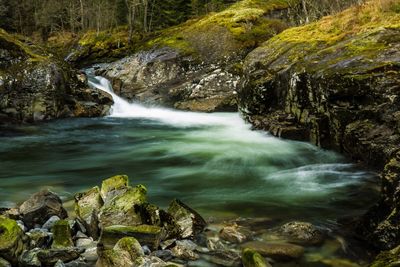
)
(277, 251)
(87, 207)
(11, 240)
(184, 252)
(111, 186)
(189, 222)
(302, 233)
(148, 235)
(119, 209)
(29, 258)
(40, 207)
(224, 258)
(251, 258)
(62, 235)
(390, 258)
(235, 234)
(125, 253)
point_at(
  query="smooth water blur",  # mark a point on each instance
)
(213, 162)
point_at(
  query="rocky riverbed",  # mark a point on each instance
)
(114, 225)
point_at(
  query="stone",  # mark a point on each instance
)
(277, 251)
(4, 263)
(190, 223)
(224, 258)
(111, 186)
(87, 207)
(11, 240)
(184, 252)
(29, 258)
(146, 235)
(251, 258)
(388, 258)
(49, 257)
(50, 222)
(90, 255)
(125, 253)
(149, 261)
(165, 255)
(59, 263)
(39, 238)
(40, 207)
(85, 242)
(119, 210)
(62, 235)
(302, 233)
(235, 234)
(22, 225)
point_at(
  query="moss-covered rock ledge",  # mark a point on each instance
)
(336, 83)
(35, 86)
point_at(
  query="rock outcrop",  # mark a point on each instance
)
(193, 66)
(35, 86)
(336, 83)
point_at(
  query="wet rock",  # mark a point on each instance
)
(184, 252)
(50, 222)
(119, 209)
(39, 238)
(85, 242)
(62, 235)
(165, 255)
(276, 251)
(302, 233)
(149, 261)
(40, 207)
(255, 224)
(4, 263)
(49, 257)
(224, 258)
(251, 258)
(190, 223)
(146, 234)
(87, 207)
(235, 234)
(12, 213)
(150, 214)
(29, 258)
(22, 225)
(11, 240)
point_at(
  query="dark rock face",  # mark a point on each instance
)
(164, 76)
(36, 87)
(40, 207)
(337, 93)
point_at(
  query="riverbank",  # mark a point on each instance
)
(115, 225)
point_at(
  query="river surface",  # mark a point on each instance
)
(213, 162)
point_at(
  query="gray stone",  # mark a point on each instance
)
(50, 222)
(29, 258)
(302, 233)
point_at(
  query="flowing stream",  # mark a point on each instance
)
(213, 162)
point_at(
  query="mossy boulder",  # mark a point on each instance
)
(11, 240)
(251, 258)
(87, 207)
(62, 235)
(49, 257)
(335, 83)
(119, 210)
(148, 235)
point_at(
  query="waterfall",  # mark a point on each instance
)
(124, 109)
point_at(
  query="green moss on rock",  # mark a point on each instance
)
(62, 235)
(113, 183)
(11, 244)
(251, 258)
(389, 258)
